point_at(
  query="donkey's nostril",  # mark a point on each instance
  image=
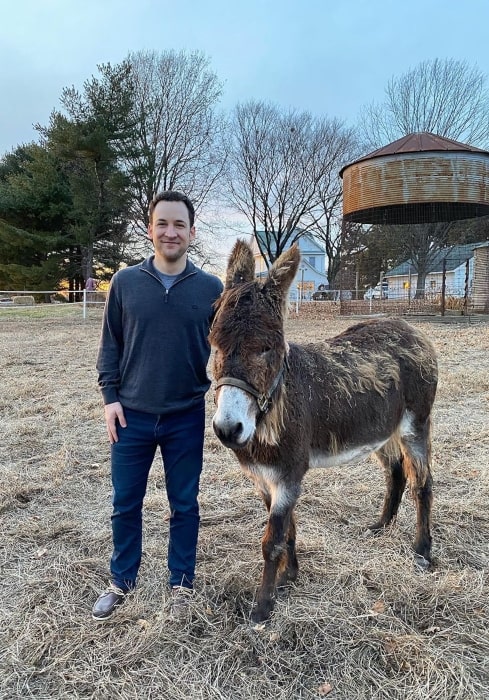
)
(230, 435)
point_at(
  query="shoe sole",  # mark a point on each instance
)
(101, 618)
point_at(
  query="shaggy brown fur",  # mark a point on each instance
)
(370, 389)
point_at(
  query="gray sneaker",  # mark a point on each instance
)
(107, 602)
(180, 600)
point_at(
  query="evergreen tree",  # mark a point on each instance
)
(89, 142)
(35, 207)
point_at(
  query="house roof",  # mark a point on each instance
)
(455, 256)
(308, 246)
(313, 245)
(312, 273)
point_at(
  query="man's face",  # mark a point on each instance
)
(170, 230)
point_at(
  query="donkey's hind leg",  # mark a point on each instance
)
(391, 458)
(416, 447)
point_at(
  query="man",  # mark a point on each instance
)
(91, 284)
(91, 288)
(152, 373)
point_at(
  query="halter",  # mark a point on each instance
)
(263, 400)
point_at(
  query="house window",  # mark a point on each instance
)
(312, 261)
(433, 284)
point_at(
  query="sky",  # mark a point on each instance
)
(327, 57)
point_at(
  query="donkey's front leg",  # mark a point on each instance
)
(274, 548)
(289, 566)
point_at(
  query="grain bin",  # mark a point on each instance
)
(420, 178)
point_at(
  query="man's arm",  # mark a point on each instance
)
(108, 363)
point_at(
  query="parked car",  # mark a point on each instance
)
(377, 292)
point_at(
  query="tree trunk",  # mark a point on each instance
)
(420, 285)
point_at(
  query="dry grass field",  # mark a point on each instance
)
(360, 623)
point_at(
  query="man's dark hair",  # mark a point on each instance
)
(172, 196)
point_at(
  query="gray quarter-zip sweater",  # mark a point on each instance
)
(153, 349)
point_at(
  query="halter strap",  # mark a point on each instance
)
(263, 400)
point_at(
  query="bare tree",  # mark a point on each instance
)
(336, 146)
(178, 133)
(281, 166)
(446, 97)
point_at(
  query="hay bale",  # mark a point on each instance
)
(23, 300)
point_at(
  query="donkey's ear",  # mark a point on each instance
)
(282, 274)
(241, 265)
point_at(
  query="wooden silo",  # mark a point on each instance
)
(421, 178)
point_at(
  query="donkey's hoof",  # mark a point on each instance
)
(261, 613)
(375, 528)
(421, 563)
(259, 618)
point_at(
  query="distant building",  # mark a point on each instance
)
(403, 278)
(311, 274)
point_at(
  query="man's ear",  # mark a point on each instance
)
(150, 231)
(193, 233)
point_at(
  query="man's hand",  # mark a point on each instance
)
(114, 413)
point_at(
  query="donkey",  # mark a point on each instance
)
(283, 408)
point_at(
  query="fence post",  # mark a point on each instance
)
(443, 285)
(84, 304)
(465, 309)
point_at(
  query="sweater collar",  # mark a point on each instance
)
(149, 267)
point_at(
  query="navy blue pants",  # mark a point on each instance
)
(181, 441)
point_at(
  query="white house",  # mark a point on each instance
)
(311, 273)
(402, 279)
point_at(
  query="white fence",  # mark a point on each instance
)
(26, 299)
